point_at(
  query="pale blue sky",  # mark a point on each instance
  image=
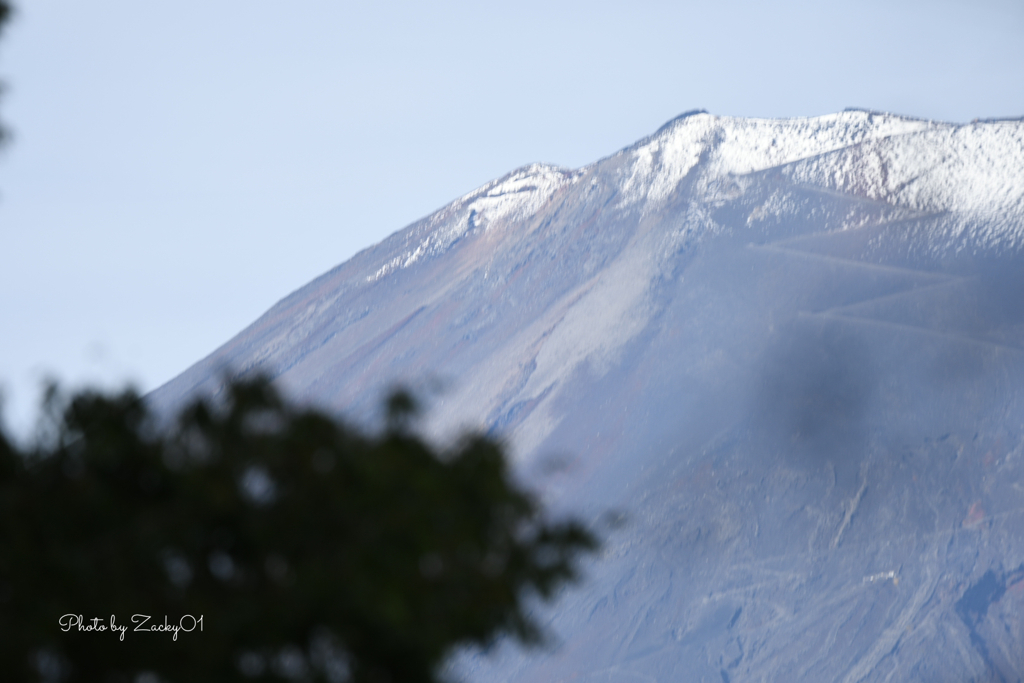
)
(179, 167)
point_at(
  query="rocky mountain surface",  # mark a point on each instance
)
(790, 351)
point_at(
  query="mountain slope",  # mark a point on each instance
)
(792, 350)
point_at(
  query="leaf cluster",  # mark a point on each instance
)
(312, 550)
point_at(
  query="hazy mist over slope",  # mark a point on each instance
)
(791, 350)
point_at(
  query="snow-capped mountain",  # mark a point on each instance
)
(792, 351)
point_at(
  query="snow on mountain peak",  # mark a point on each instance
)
(513, 197)
(736, 146)
(517, 195)
(974, 171)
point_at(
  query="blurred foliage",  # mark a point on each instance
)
(311, 550)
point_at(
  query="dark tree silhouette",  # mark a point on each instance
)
(279, 541)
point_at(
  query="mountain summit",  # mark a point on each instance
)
(792, 351)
